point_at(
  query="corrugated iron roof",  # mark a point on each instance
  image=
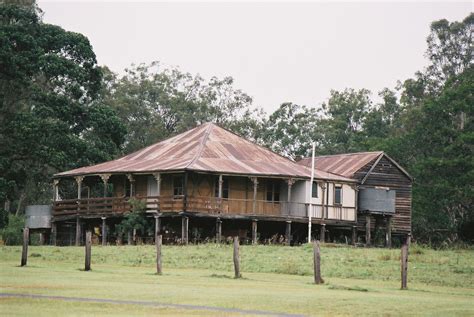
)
(342, 164)
(207, 148)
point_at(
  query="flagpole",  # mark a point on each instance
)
(310, 209)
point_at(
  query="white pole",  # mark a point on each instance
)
(310, 209)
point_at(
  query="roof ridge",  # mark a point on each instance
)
(255, 143)
(201, 145)
(347, 154)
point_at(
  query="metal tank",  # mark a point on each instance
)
(38, 216)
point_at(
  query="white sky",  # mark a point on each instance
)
(276, 52)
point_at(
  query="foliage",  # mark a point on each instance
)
(136, 219)
(50, 119)
(156, 102)
(12, 233)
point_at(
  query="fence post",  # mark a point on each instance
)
(317, 263)
(24, 251)
(88, 251)
(236, 258)
(404, 265)
(158, 240)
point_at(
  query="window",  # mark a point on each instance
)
(338, 195)
(225, 188)
(273, 191)
(178, 188)
(314, 191)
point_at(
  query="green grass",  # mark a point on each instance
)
(358, 281)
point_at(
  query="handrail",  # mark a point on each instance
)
(201, 204)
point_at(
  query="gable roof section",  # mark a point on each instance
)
(349, 163)
(206, 148)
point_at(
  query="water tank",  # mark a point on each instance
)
(381, 200)
(38, 216)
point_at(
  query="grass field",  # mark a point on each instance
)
(275, 279)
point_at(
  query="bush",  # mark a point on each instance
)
(12, 234)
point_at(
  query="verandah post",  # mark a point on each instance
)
(354, 235)
(184, 229)
(288, 233)
(24, 251)
(254, 231)
(218, 230)
(388, 235)
(322, 233)
(104, 231)
(78, 231)
(367, 230)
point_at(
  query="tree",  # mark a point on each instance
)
(156, 102)
(444, 165)
(50, 119)
(291, 129)
(449, 49)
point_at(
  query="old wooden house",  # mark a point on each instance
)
(384, 191)
(209, 183)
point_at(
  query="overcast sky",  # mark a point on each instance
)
(276, 52)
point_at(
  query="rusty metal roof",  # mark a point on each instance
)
(206, 148)
(342, 164)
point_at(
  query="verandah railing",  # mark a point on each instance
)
(210, 205)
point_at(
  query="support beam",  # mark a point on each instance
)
(388, 234)
(254, 231)
(184, 229)
(55, 189)
(367, 230)
(288, 233)
(79, 180)
(255, 188)
(105, 180)
(322, 234)
(219, 193)
(131, 179)
(104, 231)
(290, 183)
(218, 230)
(185, 193)
(354, 235)
(157, 177)
(78, 232)
(53, 233)
(323, 195)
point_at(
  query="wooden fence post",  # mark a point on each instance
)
(317, 263)
(404, 265)
(88, 251)
(158, 240)
(236, 258)
(24, 251)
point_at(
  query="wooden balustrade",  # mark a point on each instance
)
(209, 205)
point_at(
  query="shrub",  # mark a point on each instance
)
(12, 234)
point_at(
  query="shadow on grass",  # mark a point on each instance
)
(226, 277)
(348, 288)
